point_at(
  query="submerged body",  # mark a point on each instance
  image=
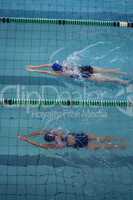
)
(58, 139)
(87, 72)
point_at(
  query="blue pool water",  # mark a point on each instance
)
(27, 172)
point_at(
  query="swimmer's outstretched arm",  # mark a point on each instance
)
(35, 133)
(44, 146)
(39, 66)
(44, 72)
(40, 132)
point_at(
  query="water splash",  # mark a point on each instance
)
(76, 57)
(107, 54)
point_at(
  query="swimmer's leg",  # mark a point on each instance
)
(102, 78)
(106, 146)
(100, 138)
(108, 70)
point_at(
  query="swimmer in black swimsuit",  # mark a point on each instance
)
(87, 72)
(58, 139)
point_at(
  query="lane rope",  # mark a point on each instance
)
(68, 102)
(124, 24)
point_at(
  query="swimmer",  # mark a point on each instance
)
(87, 72)
(57, 140)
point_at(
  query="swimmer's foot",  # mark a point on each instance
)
(114, 146)
(105, 139)
(120, 146)
(120, 72)
(31, 68)
(123, 73)
(124, 82)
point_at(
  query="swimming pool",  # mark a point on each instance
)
(28, 172)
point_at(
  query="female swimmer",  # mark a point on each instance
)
(57, 139)
(87, 72)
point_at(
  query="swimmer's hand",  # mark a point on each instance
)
(29, 69)
(22, 138)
